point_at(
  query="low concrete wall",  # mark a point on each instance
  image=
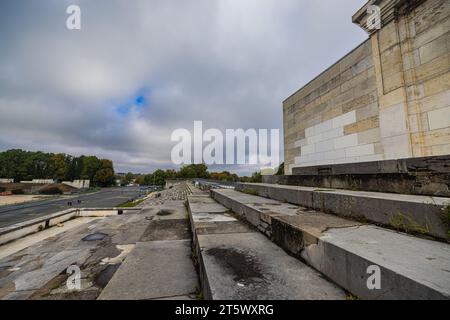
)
(19, 230)
(428, 176)
(22, 229)
(79, 184)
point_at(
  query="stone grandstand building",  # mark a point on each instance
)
(387, 99)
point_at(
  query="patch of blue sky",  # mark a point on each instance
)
(138, 102)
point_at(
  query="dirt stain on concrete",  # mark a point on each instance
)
(105, 275)
(165, 212)
(244, 266)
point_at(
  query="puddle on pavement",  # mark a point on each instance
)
(95, 237)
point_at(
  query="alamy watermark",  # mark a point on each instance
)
(374, 280)
(237, 146)
(374, 19)
(73, 21)
(74, 280)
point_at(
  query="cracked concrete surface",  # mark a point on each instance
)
(35, 267)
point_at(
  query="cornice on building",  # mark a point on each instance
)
(389, 11)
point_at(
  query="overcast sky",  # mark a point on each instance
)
(139, 69)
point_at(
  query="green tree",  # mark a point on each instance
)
(148, 180)
(24, 165)
(140, 180)
(256, 177)
(280, 171)
(104, 176)
(91, 165)
(194, 171)
(159, 178)
(171, 174)
(13, 164)
(75, 168)
(61, 166)
(129, 177)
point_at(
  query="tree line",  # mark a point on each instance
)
(193, 171)
(27, 165)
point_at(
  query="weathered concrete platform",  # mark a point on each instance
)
(237, 262)
(409, 213)
(38, 270)
(35, 266)
(411, 268)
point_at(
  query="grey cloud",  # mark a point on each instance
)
(230, 63)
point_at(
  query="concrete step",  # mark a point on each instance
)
(154, 270)
(349, 252)
(410, 213)
(160, 265)
(238, 263)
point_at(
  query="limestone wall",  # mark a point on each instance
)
(387, 99)
(39, 181)
(79, 184)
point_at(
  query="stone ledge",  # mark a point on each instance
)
(411, 213)
(411, 268)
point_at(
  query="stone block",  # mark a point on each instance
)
(431, 33)
(393, 121)
(388, 36)
(331, 155)
(324, 146)
(367, 111)
(362, 150)
(322, 127)
(344, 119)
(433, 49)
(437, 84)
(443, 149)
(334, 133)
(309, 132)
(397, 147)
(392, 98)
(439, 119)
(346, 141)
(300, 143)
(430, 138)
(393, 82)
(374, 157)
(308, 149)
(369, 136)
(363, 125)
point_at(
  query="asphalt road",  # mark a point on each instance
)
(106, 198)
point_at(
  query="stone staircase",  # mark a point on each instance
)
(333, 235)
(414, 214)
(236, 262)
